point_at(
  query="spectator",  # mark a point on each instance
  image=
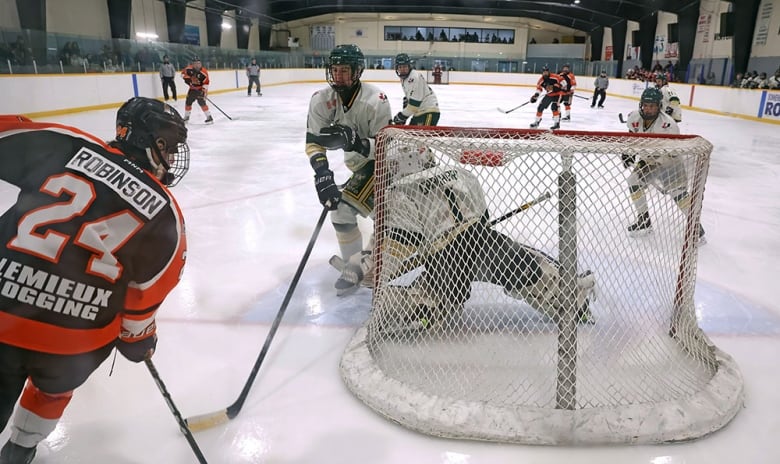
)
(774, 81)
(710, 80)
(737, 82)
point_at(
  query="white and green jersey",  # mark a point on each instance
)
(435, 205)
(671, 100)
(420, 97)
(367, 113)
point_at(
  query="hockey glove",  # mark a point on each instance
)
(628, 160)
(340, 136)
(400, 118)
(136, 350)
(328, 193)
(535, 97)
(669, 110)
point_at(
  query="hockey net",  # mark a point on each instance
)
(636, 369)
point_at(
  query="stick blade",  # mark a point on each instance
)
(207, 421)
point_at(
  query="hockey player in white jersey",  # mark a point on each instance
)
(671, 102)
(666, 174)
(419, 100)
(439, 213)
(346, 115)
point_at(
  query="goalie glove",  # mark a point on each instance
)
(327, 192)
(400, 118)
(535, 97)
(340, 136)
(628, 160)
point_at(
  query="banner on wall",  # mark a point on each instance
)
(608, 51)
(191, 34)
(671, 50)
(703, 28)
(660, 42)
(762, 25)
(632, 53)
(770, 106)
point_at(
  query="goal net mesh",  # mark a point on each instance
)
(543, 321)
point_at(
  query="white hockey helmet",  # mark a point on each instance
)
(403, 160)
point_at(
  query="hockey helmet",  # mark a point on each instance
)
(142, 125)
(404, 160)
(566, 68)
(660, 77)
(545, 69)
(402, 59)
(345, 55)
(651, 95)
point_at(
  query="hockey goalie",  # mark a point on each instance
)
(437, 220)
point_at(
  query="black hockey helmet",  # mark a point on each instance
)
(142, 125)
(351, 55)
(546, 69)
(403, 59)
(566, 68)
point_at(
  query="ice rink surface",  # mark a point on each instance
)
(250, 207)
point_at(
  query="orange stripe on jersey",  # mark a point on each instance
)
(47, 338)
(45, 405)
(145, 295)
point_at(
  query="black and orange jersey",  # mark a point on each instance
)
(571, 81)
(197, 79)
(92, 245)
(552, 83)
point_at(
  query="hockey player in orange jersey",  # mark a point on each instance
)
(90, 249)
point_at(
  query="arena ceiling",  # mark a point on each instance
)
(582, 15)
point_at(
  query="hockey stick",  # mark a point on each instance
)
(220, 109)
(620, 116)
(205, 421)
(175, 411)
(515, 108)
(417, 260)
(579, 96)
(546, 196)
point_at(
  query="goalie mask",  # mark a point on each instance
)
(403, 160)
(651, 97)
(154, 135)
(403, 65)
(349, 55)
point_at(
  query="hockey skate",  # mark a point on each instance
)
(642, 226)
(566, 118)
(700, 239)
(586, 291)
(186, 118)
(555, 126)
(601, 107)
(209, 120)
(535, 124)
(349, 282)
(16, 454)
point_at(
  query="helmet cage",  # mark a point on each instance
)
(345, 55)
(400, 60)
(140, 122)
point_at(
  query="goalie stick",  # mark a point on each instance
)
(175, 411)
(415, 261)
(515, 108)
(205, 421)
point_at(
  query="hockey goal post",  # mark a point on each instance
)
(498, 368)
